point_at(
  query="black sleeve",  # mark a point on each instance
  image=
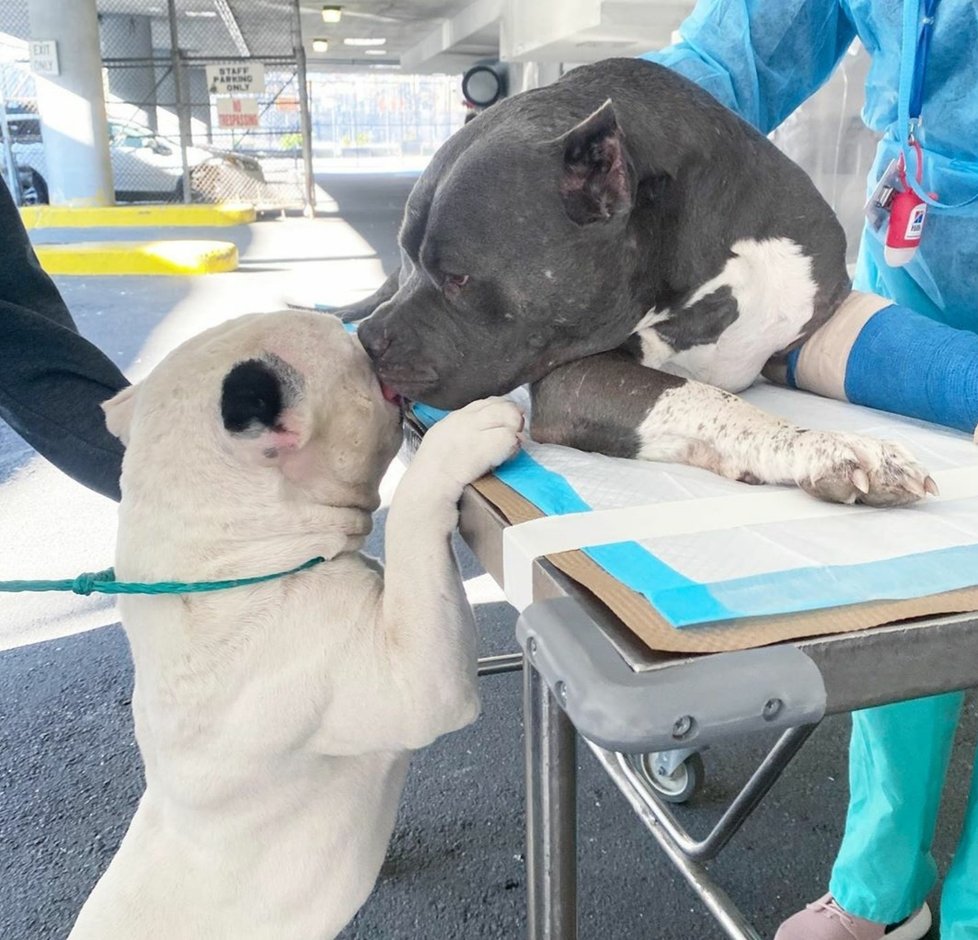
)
(52, 380)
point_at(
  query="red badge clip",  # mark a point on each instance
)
(908, 213)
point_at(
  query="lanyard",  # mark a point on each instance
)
(922, 47)
(917, 31)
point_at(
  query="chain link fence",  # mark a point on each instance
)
(194, 105)
(205, 102)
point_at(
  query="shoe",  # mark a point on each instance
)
(825, 920)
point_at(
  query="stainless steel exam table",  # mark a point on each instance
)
(587, 676)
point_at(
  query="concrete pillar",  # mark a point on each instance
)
(167, 120)
(132, 86)
(524, 76)
(71, 105)
(198, 97)
(200, 103)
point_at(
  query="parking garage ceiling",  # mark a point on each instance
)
(263, 28)
(414, 35)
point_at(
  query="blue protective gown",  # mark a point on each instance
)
(763, 58)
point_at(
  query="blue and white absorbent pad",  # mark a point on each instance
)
(705, 556)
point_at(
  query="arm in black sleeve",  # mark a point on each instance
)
(52, 380)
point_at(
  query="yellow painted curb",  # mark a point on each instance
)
(147, 216)
(162, 257)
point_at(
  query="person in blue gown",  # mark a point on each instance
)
(764, 58)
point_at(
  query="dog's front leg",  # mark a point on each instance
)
(426, 628)
(611, 404)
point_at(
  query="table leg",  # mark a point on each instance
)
(551, 813)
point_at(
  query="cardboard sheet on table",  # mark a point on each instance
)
(604, 484)
(643, 620)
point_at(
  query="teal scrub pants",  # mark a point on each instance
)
(898, 760)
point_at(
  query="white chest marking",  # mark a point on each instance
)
(772, 283)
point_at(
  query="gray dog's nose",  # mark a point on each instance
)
(374, 339)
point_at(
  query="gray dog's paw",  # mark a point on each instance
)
(846, 468)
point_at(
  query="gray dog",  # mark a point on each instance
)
(638, 253)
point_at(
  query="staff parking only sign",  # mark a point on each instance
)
(239, 78)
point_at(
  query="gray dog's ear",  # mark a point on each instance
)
(262, 411)
(118, 412)
(597, 180)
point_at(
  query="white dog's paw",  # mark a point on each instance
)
(472, 441)
(846, 468)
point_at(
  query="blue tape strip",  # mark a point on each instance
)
(687, 603)
(426, 414)
(816, 588)
(628, 562)
(904, 362)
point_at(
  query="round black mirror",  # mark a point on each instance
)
(483, 85)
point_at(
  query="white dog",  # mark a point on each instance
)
(276, 721)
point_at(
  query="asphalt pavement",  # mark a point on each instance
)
(70, 774)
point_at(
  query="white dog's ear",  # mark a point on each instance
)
(118, 412)
(262, 410)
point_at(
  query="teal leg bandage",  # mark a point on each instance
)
(905, 363)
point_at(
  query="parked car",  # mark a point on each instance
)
(145, 166)
(25, 130)
(149, 166)
(32, 188)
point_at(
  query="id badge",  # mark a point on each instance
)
(878, 204)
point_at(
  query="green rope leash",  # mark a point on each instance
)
(103, 582)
